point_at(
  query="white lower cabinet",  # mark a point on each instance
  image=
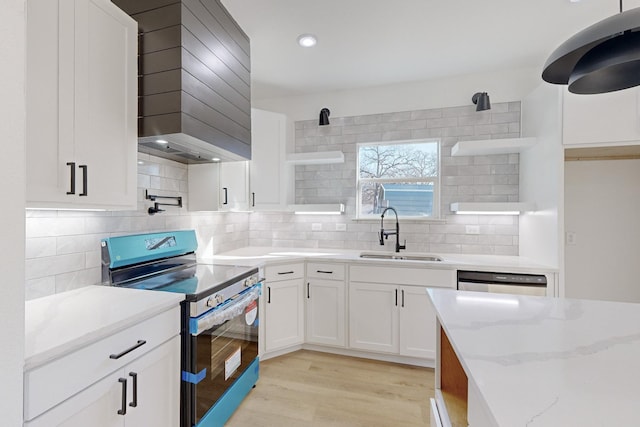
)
(389, 310)
(283, 306)
(131, 378)
(325, 304)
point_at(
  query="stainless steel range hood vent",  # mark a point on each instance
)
(194, 81)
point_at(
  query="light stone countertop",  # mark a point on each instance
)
(548, 362)
(260, 256)
(64, 322)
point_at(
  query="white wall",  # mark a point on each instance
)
(541, 176)
(12, 111)
(506, 86)
(602, 201)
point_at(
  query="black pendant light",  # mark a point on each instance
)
(604, 57)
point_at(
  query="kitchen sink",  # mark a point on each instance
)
(398, 256)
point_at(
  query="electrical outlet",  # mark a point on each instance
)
(570, 238)
(472, 229)
(341, 227)
(316, 226)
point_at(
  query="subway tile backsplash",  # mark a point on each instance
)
(463, 179)
(63, 247)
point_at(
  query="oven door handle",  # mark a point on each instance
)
(219, 315)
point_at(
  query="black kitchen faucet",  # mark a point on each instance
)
(384, 234)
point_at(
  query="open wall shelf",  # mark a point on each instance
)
(492, 146)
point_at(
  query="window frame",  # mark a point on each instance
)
(435, 180)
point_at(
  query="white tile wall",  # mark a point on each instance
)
(464, 179)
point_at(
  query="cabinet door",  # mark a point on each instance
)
(417, 323)
(98, 404)
(601, 119)
(105, 99)
(373, 317)
(49, 102)
(233, 186)
(267, 174)
(204, 181)
(283, 314)
(325, 312)
(157, 375)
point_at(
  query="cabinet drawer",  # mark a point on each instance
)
(50, 384)
(403, 276)
(284, 272)
(321, 270)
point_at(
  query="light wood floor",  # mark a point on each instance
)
(307, 388)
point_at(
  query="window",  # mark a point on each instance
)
(403, 175)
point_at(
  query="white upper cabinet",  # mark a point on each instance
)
(268, 174)
(218, 186)
(81, 105)
(605, 119)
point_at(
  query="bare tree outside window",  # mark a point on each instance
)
(403, 175)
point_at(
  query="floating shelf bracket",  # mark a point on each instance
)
(156, 205)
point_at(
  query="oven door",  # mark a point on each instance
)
(223, 343)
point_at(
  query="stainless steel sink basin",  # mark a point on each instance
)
(399, 256)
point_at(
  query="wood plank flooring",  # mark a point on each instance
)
(307, 388)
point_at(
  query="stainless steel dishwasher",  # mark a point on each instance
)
(502, 283)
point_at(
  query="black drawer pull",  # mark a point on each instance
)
(140, 343)
(123, 409)
(324, 271)
(84, 180)
(134, 402)
(285, 272)
(72, 187)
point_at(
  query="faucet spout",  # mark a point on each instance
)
(384, 234)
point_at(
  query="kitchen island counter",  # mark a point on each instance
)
(537, 361)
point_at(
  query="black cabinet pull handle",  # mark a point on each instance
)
(403, 298)
(140, 343)
(396, 297)
(285, 272)
(226, 199)
(308, 295)
(253, 199)
(72, 187)
(84, 180)
(134, 401)
(123, 406)
(268, 294)
(324, 271)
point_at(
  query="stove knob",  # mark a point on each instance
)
(214, 300)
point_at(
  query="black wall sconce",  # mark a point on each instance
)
(481, 99)
(324, 117)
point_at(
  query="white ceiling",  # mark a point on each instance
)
(364, 43)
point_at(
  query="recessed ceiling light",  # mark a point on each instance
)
(162, 141)
(307, 40)
(215, 159)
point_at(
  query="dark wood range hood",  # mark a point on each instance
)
(194, 81)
